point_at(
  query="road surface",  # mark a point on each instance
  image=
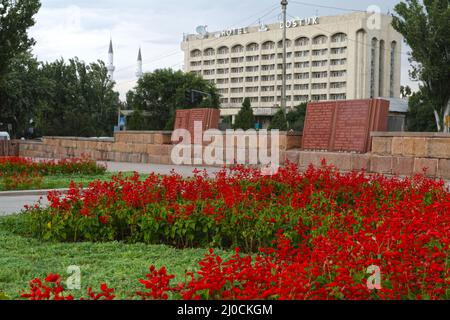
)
(14, 204)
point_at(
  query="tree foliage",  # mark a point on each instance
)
(80, 100)
(163, 91)
(296, 117)
(16, 17)
(245, 119)
(425, 27)
(420, 115)
(279, 121)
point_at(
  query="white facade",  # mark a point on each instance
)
(351, 56)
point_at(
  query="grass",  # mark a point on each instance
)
(63, 181)
(117, 264)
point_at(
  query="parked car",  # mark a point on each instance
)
(4, 136)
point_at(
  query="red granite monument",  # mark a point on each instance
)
(344, 125)
(185, 119)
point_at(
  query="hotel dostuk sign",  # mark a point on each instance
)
(294, 23)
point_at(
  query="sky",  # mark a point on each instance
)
(83, 28)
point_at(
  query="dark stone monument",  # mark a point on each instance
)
(344, 125)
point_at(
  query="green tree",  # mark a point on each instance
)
(80, 102)
(16, 17)
(425, 28)
(245, 119)
(420, 116)
(22, 93)
(136, 121)
(279, 121)
(296, 117)
(163, 91)
(18, 78)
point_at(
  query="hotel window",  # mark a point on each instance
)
(288, 66)
(253, 47)
(302, 98)
(237, 90)
(223, 90)
(223, 50)
(318, 97)
(301, 87)
(268, 45)
(288, 77)
(393, 66)
(338, 62)
(301, 42)
(320, 63)
(267, 88)
(288, 88)
(237, 49)
(251, 79)
(209, 62)
(373, 56)
(268, 99)
(381, 69)
(319, 52)
(222, 71)
(301, 76)
(340, 73)
(320, 40)
(252, 58)
(288, 98)
(223, 61)
(237, 80)
(338, 85)
(318, 75)
(251, 89)
(339, 37)
(319, 86)
(196, 63)
(341, 50)
(252, 69)
(237, 70)
(196, 53)
(222, 81)
(223, 100)
(209, 72)
(266, 57)
(339, 96)
(237, 100)
(237, 60)
(300, 54)
(268, 78)
(254, 99)
(288, 44)
(268, 67)
(302, 64)
(288, 55)
(209, 52)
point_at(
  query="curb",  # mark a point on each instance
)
(30, 192)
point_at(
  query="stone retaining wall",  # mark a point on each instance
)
(130, 146)
(399, 153)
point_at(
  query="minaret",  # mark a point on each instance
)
(139, 65)
(110, 66)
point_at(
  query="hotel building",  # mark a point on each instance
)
(351, 56)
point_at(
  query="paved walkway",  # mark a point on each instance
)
(146, 168)
(15, 204)
(10, 204)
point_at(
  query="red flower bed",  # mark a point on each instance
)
(319, 231)
(10, 166)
